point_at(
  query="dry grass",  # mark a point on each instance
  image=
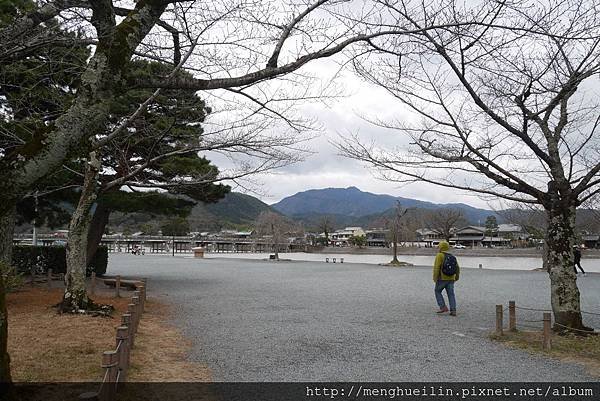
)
(48, 347)
(160, 350)
(568, 348)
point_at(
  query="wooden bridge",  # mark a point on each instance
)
(164, 244)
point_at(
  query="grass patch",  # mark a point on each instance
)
(48, 347)
(568, 347)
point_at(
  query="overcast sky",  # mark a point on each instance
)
(326, 168)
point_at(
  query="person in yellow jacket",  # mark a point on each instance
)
(443, 281)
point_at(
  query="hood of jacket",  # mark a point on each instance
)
(444, 246)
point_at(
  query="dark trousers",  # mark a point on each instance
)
(578, 264)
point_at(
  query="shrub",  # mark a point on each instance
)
(12, 279)
(42, 258)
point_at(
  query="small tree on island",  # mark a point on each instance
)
(275, 227)
(395, 224)
(326, 225)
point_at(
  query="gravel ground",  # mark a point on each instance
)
(308, 321)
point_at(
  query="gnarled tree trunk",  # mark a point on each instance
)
(7, 224)
(96, 229)
(560, 239)
(75, 297)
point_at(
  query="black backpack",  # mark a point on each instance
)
(450, 265)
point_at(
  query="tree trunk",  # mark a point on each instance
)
(395, 260)
(97, 227)
(7, 224)
(564, 294)
(75, 297)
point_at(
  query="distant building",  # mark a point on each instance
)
(591, 240)
(377, 237)
(340, 237)
(429, 236)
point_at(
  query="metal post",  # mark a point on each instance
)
(49, 278)
(93, 284)
(34, 239)
(547, 345)
(512, 316)
(118, 286)
(499, 320)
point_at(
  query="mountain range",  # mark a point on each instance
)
(347, 205)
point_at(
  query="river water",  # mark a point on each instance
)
(498, 262)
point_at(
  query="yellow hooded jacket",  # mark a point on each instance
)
(439, 261)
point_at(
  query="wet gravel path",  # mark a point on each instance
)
(311, 321)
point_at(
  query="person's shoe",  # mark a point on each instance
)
(443, 310)
(452, 313)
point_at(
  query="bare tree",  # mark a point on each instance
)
(444, 221)
(236, 49)
(275, 227)
(326, 225)
(501, 109)
(395, 224)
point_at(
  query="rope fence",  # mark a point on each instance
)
(546, 322)
(116, 362)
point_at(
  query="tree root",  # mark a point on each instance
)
(88, 307)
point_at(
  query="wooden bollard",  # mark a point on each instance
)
(131, 310)
(93, 284)
(49, 280)
(118, 286)
(111, 364)
(512, 316)
(145, 281)
(122, 344)
(547, 345)
(142, 296)
(126, 321)
(138, 310)
(499, 320)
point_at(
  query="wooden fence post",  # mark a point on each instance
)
(118, 286)
(93, 284)
(133, 319)
(122, 344)
(142, 296)
(145, 281)
(138, 312)
(110, 363)
(127, 321)
(49, 278)
(499, 321)
(547, 345)
(512, 316)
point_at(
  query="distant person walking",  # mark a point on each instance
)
(446, 272)
(577, 255)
